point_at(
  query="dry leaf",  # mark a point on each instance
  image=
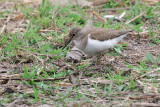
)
(17, 17)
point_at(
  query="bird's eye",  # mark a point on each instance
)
(74, 34)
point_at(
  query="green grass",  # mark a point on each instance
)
(34, 47)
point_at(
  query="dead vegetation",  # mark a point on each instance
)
(35, 72)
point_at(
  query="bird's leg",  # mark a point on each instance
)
(93, 61)
(98, 59)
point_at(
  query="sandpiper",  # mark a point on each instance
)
(95, 41)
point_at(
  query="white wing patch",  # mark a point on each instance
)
(95, 46)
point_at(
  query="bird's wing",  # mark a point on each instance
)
(103, 34)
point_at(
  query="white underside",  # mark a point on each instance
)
(96, 47)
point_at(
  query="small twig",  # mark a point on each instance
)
(150, 80)
(99, 17)
(140, 83)
(46, 30)
(146, 104)
(68, 65)
(93, 96)
(122, 15)
(36, 80)
(135, 18)
(104, 9)
(41, 60)
(9, 17)
(144, 96)
(142, 33)
(126, 99)
(72, 79)
(99, 2)
(14, 75)
(47, 55)
(155, 70)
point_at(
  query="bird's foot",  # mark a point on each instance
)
(97, 60)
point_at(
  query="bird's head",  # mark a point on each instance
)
(73, 34)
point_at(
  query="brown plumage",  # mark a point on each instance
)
(103, 34)
(95, 41)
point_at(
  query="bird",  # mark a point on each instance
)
(95, 41)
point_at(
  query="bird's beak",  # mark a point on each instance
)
(67, 43)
